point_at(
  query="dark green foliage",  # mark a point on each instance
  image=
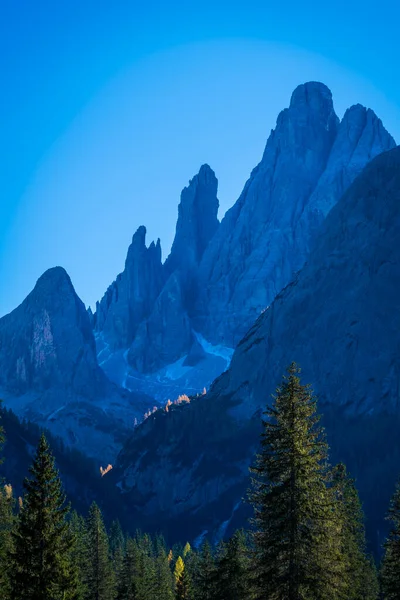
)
(233, 570)
(99, 576)
(7, 524)
(390, 572)
(294, 532)
(184, 586)
(78, 553)
(359, 575)
(205, 574)
(164, 577)
(127, 583)
(308, 538)
(41, 569)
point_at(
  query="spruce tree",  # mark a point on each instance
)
(7, 523)
(296, 553)
(233, 568)
(127, 584)
(204, 574)
(390, 571)
(41, 569)
(146, 583)
(117, 548)
(359, 578)
(99, 576)
(164, 581)
(78, 554)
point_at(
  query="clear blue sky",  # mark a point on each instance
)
(108, 108)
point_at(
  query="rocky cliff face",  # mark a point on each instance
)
(197, 222)
(309, 161)
(47, 341)
(49, 371)
(339, 319)
(130, 298)
(226, 274)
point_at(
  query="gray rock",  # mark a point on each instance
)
(50, 375)
(166, 335)
(339, 319)
(309, 161)
(130, 298)
(197, 221)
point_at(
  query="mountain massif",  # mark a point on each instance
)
(339, 319)
(219, 277)
(304, 267)
(49, 372)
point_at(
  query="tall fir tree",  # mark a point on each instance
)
(78, 554)
(204, 574)
(146, 583)
(164, 588)
(127, 583)
(7, 524)
(359, 576)
(233, 570)
(41, 567)
(99, 577)
(117, 548)
(296, 553)
(390, 570)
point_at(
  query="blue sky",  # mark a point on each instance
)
(108, 109)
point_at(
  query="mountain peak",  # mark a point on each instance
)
(312, 93)
(139, 237)
(197, 220)
(54, 287)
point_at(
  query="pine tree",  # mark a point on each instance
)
(359, 575)
(164, 578)
(99, 576)
(183, 589)
(204, 574)
(146, 583)
(41, 569)
(233, 566)
(296, 553)
(390, 571)
(78, 554)
(7, 523)
(127, 584)
(117, 548)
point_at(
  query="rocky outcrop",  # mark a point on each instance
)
(227, 274)
(49, 371)
(339, 319)
(166, 335)
(309, 161)
(48, 341)
(130, 298)
(197, 222)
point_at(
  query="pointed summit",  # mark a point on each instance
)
(130, 298)
(197, 221)
(48, 340)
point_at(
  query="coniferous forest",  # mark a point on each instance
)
(306, 540)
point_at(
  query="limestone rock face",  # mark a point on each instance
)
(48, 341)
(226, 274)
(130, 298)
(340, 320)
(166, 335)
(197, 221)
(309, 161)
(49, 371)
